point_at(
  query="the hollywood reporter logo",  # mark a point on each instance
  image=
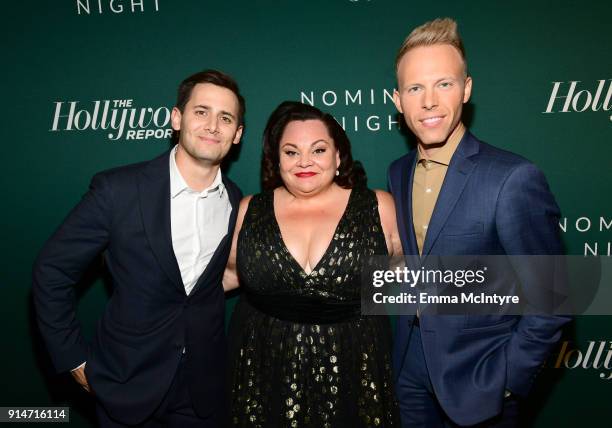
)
(119, 117)
(597, 357)
(573, 96)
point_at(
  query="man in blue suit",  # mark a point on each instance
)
(456, 195)
(164, 227)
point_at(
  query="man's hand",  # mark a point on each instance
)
(79, 375)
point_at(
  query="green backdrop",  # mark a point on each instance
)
(337, 54)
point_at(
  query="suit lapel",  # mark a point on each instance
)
(461, 166)
(406, 179)
(234, 197)
(154, 194)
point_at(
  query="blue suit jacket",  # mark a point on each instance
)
(491, 202)
(149, 318)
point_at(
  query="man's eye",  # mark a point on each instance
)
(446, 84)
(200, 112)
(413, 89)
(226, 119)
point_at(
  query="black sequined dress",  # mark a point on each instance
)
(301, 355)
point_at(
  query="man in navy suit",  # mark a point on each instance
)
(164, 227)
(456, 195)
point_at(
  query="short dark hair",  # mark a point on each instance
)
(350, 172)
(215, 77)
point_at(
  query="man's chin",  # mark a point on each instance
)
(432, 143)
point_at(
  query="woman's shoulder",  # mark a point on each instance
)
(374, 197)
(384, 198)
(249, 204)
(256, 199)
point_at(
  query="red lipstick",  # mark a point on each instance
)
(304, 174)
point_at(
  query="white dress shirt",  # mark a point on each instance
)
(198, 220)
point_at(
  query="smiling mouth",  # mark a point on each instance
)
(208, 140)
(304, 174)
(431, 121)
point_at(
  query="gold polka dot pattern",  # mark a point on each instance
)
(309, 374)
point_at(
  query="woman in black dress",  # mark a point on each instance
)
(301, 353)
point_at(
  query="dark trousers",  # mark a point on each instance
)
(175, 410)
(418, 404)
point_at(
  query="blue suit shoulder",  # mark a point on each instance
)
(399, 167)
(500, 157)
(508, 167)
(155, 169)
(485, 152)
(130, 171)
(399, 162)
(123, 171)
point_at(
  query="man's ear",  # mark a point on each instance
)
(238, 135)
(467, 89)
(396, 101)
(175, 119)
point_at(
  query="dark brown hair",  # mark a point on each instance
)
(350, 174)
(216, 78)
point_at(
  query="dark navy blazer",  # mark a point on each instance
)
(149, 319)
(491, 202)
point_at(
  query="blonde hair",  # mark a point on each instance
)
(440, 31)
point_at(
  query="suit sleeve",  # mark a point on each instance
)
(527, 221)
(82, 236)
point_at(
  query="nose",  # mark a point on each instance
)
(430, 100)
(305, 160)
(211, 124)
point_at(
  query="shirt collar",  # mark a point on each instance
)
(446, 152)
(178, 184)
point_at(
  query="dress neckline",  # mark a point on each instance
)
(288, 253)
